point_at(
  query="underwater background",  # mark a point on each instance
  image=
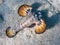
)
(9, 16)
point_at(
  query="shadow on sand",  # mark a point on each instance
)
(50, 21)
(1, 18)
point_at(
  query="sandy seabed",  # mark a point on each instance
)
(9, 17)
